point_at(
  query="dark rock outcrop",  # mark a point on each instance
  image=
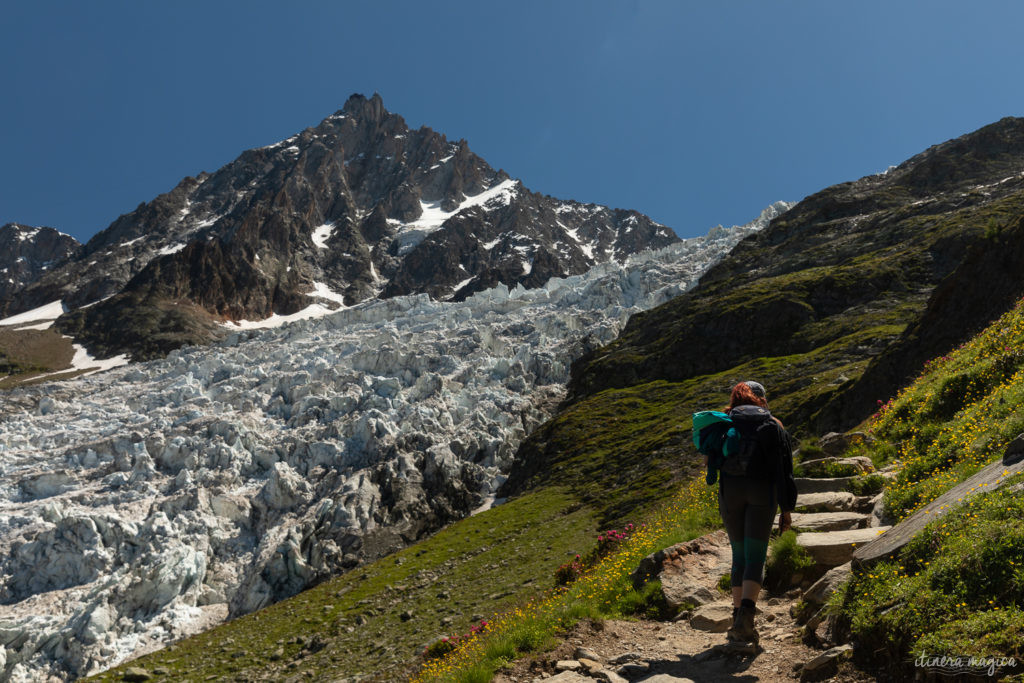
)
(27, 253)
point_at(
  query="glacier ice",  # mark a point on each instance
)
(155, 500)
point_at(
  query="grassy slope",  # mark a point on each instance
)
(27, 354)
(966, 570)
(353, 624)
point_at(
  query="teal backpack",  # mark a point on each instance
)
(715, 437)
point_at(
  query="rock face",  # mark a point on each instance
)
(358, 207)
(27, 253)
(157, 499)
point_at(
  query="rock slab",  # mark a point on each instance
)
(827, 521)
(987, 479)
(688, 572)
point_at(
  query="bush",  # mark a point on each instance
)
(868, 485)
(442, 646)
(810, 450)
(569, 572)
(992, 633)
(648, 602)
(785, 560)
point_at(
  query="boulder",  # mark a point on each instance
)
(136, 674)
(822, 589)
(826, 664)
(836, 444)
(833, 548)
(715, 618)
(688, 572)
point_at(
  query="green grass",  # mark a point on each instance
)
(27, 354)
(604, 591)
(486, 563)
(866, 485)
(964, 573)
(956, 418)
(785, 560)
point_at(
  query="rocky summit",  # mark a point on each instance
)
(158, 499)
(357, 208)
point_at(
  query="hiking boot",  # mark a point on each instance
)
(743, 626)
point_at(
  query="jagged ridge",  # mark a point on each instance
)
(355, 208)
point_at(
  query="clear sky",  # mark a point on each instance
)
(696, 113)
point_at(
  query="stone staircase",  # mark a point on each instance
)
(831, 522)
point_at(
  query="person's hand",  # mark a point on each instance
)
(785, 522)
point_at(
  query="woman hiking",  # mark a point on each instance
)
(756, 478)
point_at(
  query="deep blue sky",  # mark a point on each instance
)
(696, 113)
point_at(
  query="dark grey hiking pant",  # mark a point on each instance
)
(747, 506)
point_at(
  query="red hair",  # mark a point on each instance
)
(743, 395)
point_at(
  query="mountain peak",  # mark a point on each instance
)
(359, 106)
(357, 208)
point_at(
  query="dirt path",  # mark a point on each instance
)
(641, 650)
(694, 647)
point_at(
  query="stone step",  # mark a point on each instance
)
(832, 501)
(822, 485)
(829, 521)
(833, 548)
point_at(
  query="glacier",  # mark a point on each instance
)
(155, 500)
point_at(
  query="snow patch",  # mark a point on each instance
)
(321, 234)
(84, 361)
(50, 311)
(275, 320)
(434, 216)
(171, 249)
(324, 292)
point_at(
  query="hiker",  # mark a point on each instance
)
(753, 456)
